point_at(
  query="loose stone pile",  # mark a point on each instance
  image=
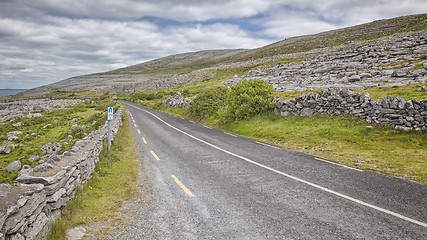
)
(29, 208)
(177, 100)
(397, 112)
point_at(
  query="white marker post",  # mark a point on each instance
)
(110, 117)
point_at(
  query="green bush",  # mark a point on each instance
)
(142, 96)
(248, 98)
(207, 103)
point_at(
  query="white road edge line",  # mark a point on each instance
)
(292, 177)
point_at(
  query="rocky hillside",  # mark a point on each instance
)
(382, 53)
(396, 60)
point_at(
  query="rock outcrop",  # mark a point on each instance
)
(391, 61)
(32, 108)
(177, 100)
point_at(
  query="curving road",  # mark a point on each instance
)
(210, 184)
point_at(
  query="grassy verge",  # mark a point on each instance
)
(345, 139)
(408, 92)
(113, 182)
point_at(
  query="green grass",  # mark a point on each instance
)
(113, 183)
(53, 126)
(294, 94)
(344, 139)
(408, 92)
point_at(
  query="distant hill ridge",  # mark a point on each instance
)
(8, 92)
(191, 68)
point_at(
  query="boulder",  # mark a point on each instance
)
(76, 233)
(5, 149)
(25, 170)
(38, 109)
(34, 158)
(354, 78)
(400, 73)
(50, 148)
(13, 135)
(43, 167)
(177, 100)
(16, 165)
(422, 89)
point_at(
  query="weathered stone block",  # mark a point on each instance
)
(357, 111)
(393, 116)
(409, 105)
(307, 112)
(388, 111)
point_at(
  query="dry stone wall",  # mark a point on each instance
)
(30, 207)
(395, 111)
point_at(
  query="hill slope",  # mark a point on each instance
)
(192, 68)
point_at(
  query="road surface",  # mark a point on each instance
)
(209, 184)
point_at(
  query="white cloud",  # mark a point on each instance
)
(295, 18)
(186, 10)
(61, 47)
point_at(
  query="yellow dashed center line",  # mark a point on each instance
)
(341, 165)
(268, 145)
(182, 186)
(155, 156)
(145, 141)
(138, 131)
(230, 134)
(192, 121)
(207, 127)
(135, 124)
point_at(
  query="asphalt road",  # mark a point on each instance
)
(209, 184)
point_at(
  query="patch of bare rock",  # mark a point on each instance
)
(32, 108)
(391, 61)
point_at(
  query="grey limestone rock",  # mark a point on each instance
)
(5, 149)
(13, 135)
(50, 148)
(16, 165)
(76, 233)
(177, 100)
(34, 158)
(25, 169)
(43, 167)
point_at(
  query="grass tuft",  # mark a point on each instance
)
(346, 139)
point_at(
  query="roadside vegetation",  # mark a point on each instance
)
(114, 181)
(64, 126)
(345, 139)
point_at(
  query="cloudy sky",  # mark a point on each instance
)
(45, 41)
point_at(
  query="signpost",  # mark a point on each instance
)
(110, 117)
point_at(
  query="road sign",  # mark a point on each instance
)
(110, 114)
